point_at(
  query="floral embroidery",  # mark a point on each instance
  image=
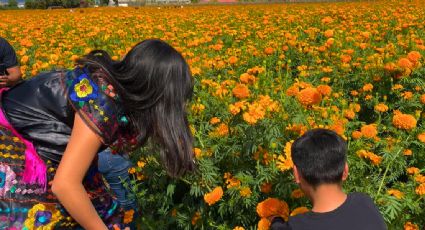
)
(42, 217)
(84, 89)
(7, 179)
(93, 96)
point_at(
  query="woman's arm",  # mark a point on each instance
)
(67, 184)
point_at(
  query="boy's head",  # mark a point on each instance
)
(319, 157)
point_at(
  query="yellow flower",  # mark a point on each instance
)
(42, 217)
(396, 193)
(238, 228)
(285, 163)
(83, 88)
(245, 192)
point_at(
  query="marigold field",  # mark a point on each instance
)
(264, 74)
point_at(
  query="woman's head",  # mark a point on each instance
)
(154, 83)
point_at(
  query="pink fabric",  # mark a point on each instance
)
(35, 168)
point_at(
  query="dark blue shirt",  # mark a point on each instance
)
(358, 212)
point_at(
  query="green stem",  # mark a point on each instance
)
(387, 168)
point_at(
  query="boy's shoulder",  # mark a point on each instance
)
(357, 206)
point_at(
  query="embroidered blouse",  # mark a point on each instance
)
(42, 110)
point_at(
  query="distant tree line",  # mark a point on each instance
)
(44, 4)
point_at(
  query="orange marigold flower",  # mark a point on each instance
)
(255, 112)
(285, 163)
(309, 96)
(238, 228)
(404, 121)
(325, 90)
(247, 78)
(407, 152)
(397, 87)
(273, 207)
(420, 190)
(213, 196)
(198, 108)
(420, 178)
(327, 20)
(407, 95)
(421, 137)
(369, 131)
(268, 103)
(396, 193)
(297, 193)
(269, 50)
(264, 224)
(221, 130)
(197, 152)
(376, 160)
(237, 107)
(299, 210)
(412, 170)
(241, 91)
(349, 114)
(354, 93)
(196, 217)
(329, 33)
(128, 216)
(231, 181)
(405, 63)
(233, 60)
(214, 120)
(356, 135)
(266, 187)
(292, 91)
(410, 226)
(381, 107)
(423, 99)
(368, 87)
(345, 58)
(414, 56)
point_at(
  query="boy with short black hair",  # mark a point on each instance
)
(320, 167)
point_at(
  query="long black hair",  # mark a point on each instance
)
(154, 84)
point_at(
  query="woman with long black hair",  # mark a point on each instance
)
(53, 125)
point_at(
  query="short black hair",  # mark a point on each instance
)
(320, 156)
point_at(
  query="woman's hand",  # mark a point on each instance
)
(67, 184)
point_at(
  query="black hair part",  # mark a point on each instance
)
(320, 157)
(154, 84)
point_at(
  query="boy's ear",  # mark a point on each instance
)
(345, 172)
(296, 175)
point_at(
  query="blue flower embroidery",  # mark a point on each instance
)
(83, 89)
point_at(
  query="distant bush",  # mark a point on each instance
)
(12, 4)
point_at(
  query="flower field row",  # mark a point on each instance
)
(264, 74)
